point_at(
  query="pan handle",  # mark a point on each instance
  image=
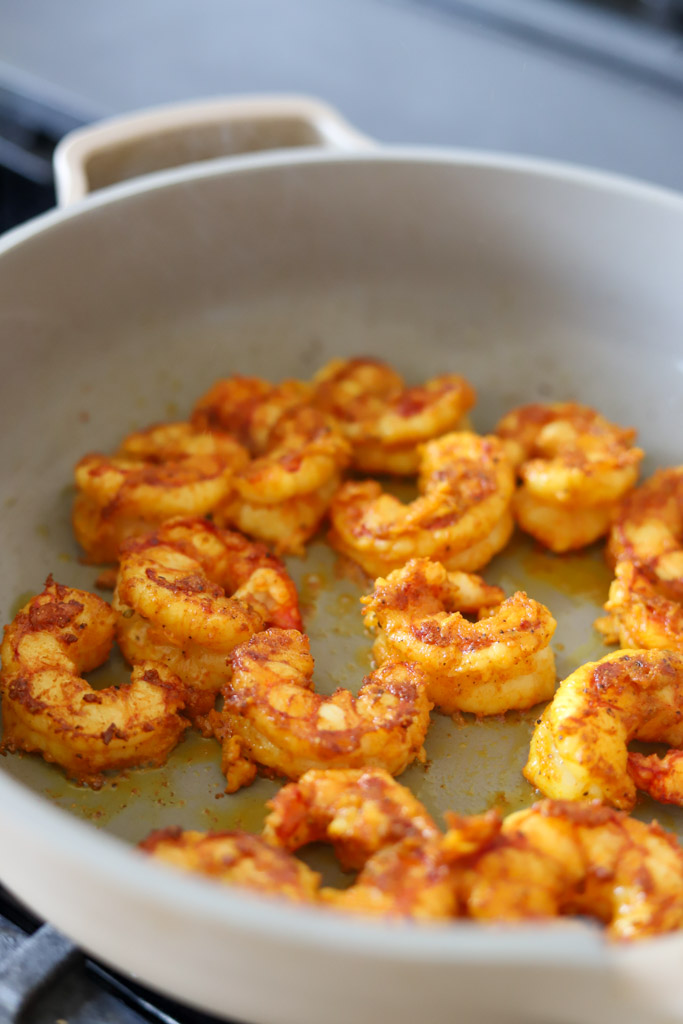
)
(126, 147)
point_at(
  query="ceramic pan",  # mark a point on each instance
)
(536, 281)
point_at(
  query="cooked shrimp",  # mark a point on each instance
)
(358, 811)
(249, 408)
(376, 825)
(190, 593)
(639, 615)
(384, 421)
(282, 496)
(461, 519)
(171, 469)
(47, 706)
(579, 747)
(272, 716)
(235, 858)
(575, 466)
(649, 531)
(560, 857)
(661, 777)
(504, 661)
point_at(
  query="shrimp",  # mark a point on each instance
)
(47, 706)
(579, 747)
(282, 496)
(168, 470)
(639, 615)
(249, 408)
(648, 531)
(559, 857)
(173, 604)
(271, 715)
(358, 811)
(575, 467)
(384, 421)
(461, 519)
(661, 777)
(376, 826)
(235, 858)
(504, 661)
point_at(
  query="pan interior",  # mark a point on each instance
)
(528, 309)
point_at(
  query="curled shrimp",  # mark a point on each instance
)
(283, 495)
(235, 858)
(168, 470)
(559, 857)
(640, 616)
(462, 517)
(385, 421)
(504, 661)
(272, 717)
(375, 825)
(249, 408)
(648, 531)
(579, 747)
(575, 467)
(190, 593)
(661, 777)
(48, 707)
(357, 810)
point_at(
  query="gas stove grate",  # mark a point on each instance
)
(44, 978)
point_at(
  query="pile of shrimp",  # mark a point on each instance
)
(194, 515)
(555, 858)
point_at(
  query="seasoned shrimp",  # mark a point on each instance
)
(358, 811)
(236, 858)
(171, 469)
(47, 706)
(461, 519)
(174, 605)
(661, 777)
(504, 661)
(375, 825)
(649, 531)
(282, 496)
(384, 421)
(575, 467)
(639, 615)
(272, 716)
(579, 747)
(559, 857)
(249, 408)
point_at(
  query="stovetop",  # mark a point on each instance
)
(45, 979)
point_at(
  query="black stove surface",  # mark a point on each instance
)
(45, 979)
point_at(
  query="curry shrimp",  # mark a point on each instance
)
(235, 858)
(462, 517)
(168, 470)
(283, 494)
(639, 614)
(357, 810)
(385, 421)
(376, 826)
(559, 857)
(648, 531)
(501, 662)
(48, 707)
(579, 749)
(189, 593)
(575, 468)
(273, 718)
